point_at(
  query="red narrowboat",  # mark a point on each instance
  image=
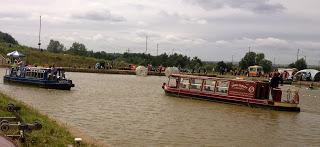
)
(239, 91)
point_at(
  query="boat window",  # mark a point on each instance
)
(208, 85)
(33, 74)
(184, 83)
(195, 84)
(222, 87)
(29, 74)
(40, 75)
(173, 82)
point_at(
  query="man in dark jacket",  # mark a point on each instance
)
(274, 84)
(275, 80)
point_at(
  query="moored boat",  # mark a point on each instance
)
(239, 91)
(52, 78)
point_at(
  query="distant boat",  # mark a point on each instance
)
(53, 78)
(239, 91)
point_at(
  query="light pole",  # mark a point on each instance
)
(39, 44)
(298, 54)
(274, 61)
(232, 60)
(146, 44)
(157, 48)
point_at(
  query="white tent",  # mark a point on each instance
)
(15, 54)
(303, 75)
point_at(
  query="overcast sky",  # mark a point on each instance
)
(213, 30)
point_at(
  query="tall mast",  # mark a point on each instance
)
(157, 48)
(232, 60)
(298, 54)
(146, 44)
(39, 44)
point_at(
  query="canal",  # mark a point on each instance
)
(128, 110)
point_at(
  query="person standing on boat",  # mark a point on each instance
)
(53, 72)
(274, 83)
(21, 66)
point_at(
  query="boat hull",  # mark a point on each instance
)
(223, 99)
(39, 83)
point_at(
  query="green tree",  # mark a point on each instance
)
(259, 58)
(78, 49)
(301, 64)
(55, 46)
(209, 67)
(195, 63)
(248, 60)
(221, 65)
(251, 58)
(292, 65)
(266, 65)
(5, 37)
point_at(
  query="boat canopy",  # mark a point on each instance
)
(303, 75)
(192, 76)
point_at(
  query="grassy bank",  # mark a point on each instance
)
(41, 58)
(52, 133)
(109, 71)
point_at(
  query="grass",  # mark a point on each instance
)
(42, 58)
(52, 134)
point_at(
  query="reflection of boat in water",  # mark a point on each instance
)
(251, 93)
(53, 78)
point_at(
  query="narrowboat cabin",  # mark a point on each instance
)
(249, 93)
(52, 78)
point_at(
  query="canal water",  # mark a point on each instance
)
(128, 110)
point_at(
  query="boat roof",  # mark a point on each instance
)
(192, 76)
(208, 78)
(43, 68)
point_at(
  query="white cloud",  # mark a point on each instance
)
(210, 29)
(194, 21)
(142, 23)
(97, 37)
(99, 15)
(257, 6)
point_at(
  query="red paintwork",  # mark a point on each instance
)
(239, 91)
(242, 88)
(215, 95)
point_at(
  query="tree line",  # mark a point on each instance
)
(178, 60)
(164, 59)
(5, 37)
